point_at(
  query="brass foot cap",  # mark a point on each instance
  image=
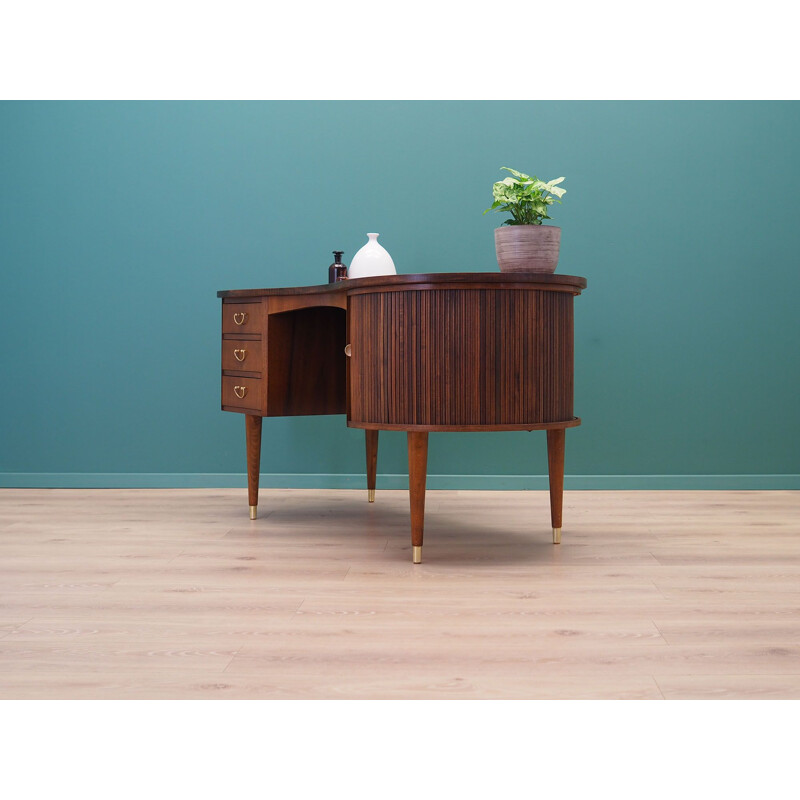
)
(370, 495)
(416, 555)
(253, 512)
(556, 535)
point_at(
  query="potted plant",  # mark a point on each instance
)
(526, 245)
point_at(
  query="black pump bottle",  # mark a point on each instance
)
(337, 271)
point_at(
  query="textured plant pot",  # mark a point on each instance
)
(527, 248)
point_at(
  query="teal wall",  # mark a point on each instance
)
(119, 221)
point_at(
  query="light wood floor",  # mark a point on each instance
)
(176, 594)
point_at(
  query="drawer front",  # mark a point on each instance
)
(246, 394)
(241, 317)
(242, 355)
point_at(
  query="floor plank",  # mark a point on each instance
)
(730, 687)
(176, 594)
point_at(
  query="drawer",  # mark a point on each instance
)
(242, 393)
(241, 317)
(242, 355)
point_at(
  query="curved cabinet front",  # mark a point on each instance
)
(461, 358)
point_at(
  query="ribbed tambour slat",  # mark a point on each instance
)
(461, 357)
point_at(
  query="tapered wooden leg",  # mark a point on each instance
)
(417, 475)
(252, 426)
(555, 463)
(372, 463)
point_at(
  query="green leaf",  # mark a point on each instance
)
(526, 198)
(551, 187)
(518, 174)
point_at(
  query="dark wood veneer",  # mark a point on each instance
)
(242, 393)
(306, 362)
(238, 318)
(242, 355)
(429, 352)
(253, 433)
(474, 280)
(461, 358)
(417, 478)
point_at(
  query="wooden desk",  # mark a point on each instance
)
(441, 352)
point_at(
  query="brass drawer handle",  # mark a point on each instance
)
(348, 351)
(240, 317)
(240, 391)
(240, 355)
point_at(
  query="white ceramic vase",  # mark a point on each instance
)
(371, 260)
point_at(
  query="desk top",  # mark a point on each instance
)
(480, 280)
